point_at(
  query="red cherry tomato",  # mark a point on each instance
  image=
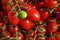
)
(50, 4)
(8, 35)
(12, 18)
(44, 15)
(52, 27)
(26, 24)
(31, 35)
(33, 14)
(21, 37)
(39, 5)
(13, 29)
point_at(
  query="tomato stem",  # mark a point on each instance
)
(54, 8)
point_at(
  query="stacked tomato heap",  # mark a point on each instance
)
(30, 19)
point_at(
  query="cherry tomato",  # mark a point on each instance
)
(50, 4)
(13, 29)
(26, 24)
(44, 15)
(33, 14)
(21, 37)
(52, 27)
(31, 35)
(8, 35)
(12, 18)
(39, 5)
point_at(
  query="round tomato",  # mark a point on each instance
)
(50, 4)
(52, 27)
(33, 14)
(26, 24)
(12, 18)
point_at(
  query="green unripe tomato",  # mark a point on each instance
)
(22, 14)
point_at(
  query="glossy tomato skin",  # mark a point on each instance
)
(26, 24)
(31, 35)
(33, 14)
(50, 4)
(12, 18)
(44, 15)
(52, 27)
(8, 35)
(21, 37)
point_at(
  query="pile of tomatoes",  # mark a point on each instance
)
(30, 19)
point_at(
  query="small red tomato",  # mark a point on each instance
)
(13, 29)
(26, 24)
(21, 37)
(41, 30)
(31, 35)
(39, 5)
(12, 18)
(52, 27)
(58, 15)
(44, 15)
(8, 35)
(50, 4)
(10, 29)
(17, 29)
(33, 14)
